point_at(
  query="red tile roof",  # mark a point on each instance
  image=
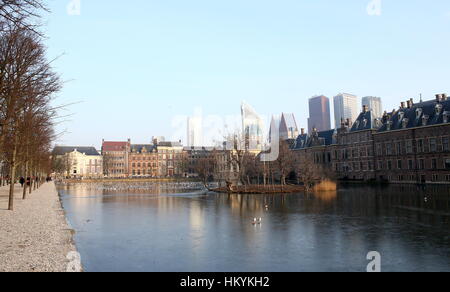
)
(114, 146)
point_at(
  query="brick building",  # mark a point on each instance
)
(412, 145)
(408, 145)
(143, 161)
(116, 158)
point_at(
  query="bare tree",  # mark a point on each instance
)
(27, 85)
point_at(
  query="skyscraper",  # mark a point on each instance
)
(194, 132)
(345, 107)
(319, 114)
(374, 104)
(252, 128)
(288, 127)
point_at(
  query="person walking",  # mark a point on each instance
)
(22, 181)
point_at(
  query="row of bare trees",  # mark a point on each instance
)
(238, 166)
(27, 87)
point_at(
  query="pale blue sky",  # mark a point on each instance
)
(136, 65)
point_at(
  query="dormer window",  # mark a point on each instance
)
(357, 124)
(389, 125)
(446, 117)
(438, 109)
(418, 113)
(400, 116)
(365, 123)
(425, 119)
(405, 123)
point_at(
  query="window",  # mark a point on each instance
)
(380, 165)
(447, 177)
(409, 147)
(433, 145)
(399, 164)
(399, 148)
(445, 144)
(410, 164)
(421, 164)
(389, 165)
(434, 163)
(388, 149)
(447, 163)
(379, 149)
(435, 178)
(420, 145)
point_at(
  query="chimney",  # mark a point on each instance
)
(438, 97)
(402, 105)
(303, 131)
(444, 97)
(364, 108)
(408, 104)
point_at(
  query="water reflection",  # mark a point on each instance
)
(176, 228)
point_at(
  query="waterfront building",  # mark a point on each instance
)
(144, 161)
(345, 107)
(78, 161)
(409, 145)
(319, 114)
(375, 105)
(412, 145)
(170, 158)
(116, 158)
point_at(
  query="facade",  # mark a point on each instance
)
(319, 114)
(412, 145)
(79, 162)
(171, 159)
(353, 153)
(143, 161)
(409, 145)
(345, 107)
(288, 127)
(373, 104)
(116, 158)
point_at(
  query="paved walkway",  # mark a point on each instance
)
(34, 237)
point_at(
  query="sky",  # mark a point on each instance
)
(137, 69)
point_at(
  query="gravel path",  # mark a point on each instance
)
(35, 237)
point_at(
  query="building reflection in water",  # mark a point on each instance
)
(173, 228)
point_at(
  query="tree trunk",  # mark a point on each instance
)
(24, 194)
(12, 175)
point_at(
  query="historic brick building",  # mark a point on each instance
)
(412, 145)
(116, 158)
(144, 161)
(408, 145)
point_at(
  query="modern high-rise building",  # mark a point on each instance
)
(288, 127)
(345, 107)
(194, 132)
(373, 104)
(319, 114)
(252, 128)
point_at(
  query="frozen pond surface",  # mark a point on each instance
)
(174, 227)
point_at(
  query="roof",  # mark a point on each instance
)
(169, 144)
(363, 122)
(139, 148)
(422, 114)
(115, 146)
(62, 150)
(315, 139)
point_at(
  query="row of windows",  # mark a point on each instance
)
(406, 147)
(422, 164)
